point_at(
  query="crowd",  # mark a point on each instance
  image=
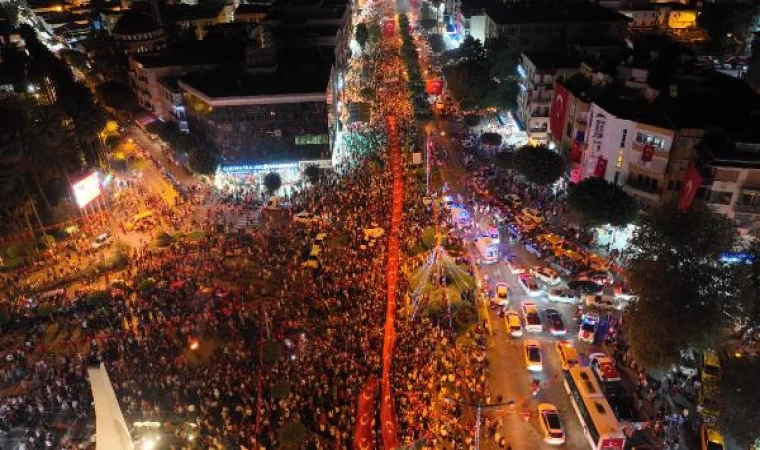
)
(225, 340)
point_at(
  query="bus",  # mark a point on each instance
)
(487, 250)
(600, 426)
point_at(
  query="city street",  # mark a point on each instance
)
(508, 375)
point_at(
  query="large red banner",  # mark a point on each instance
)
(558, 111)
(601, 167)
(365, 412)
(389, 28)
(434, 87)
(691, 182)
(646, 153)
(576, 152)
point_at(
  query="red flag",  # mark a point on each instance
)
(389, 27)
(434, 87)
(558, 109)
(601, 167)
(365, 412)
(647, 153)
(691, 182)
(576, 152)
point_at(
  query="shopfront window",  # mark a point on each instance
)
(719, 198)
(648, 139)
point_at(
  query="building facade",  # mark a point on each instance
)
(538, 72)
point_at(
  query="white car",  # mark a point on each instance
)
(551, 426)
(514, 267)
(532, 355)
(603, 367)
(513, 324)
(103, 240)
(529, 285)
(502, 295)
(305, 217)
(545, 274)
(531, 316)
(604, 302)
(563, 295)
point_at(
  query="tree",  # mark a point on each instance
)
(682, 287)
(437, 43)
(739, 391)
(468, 82)
(272, 182)
(601, 202)
(374, 33)
(292, 435)
(202, 159)
(539, 165)
(362, 35)
(727, 25)
(493, 139)
(312, 173)
(471, 49)
(471, 120)
(746, 309)
(753, 71)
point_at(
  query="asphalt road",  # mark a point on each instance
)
(508, 375)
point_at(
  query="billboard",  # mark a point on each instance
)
(87, 189)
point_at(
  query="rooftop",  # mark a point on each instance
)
(543, 11)
(181, 12)
(739, 149)
(553, 60)
(196, 53)
(135, 23)
(303, 71)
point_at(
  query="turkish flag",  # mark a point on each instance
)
(647, 153)
(365, 412)
(389, 27)
(601, 167)
(558, 110)
(576, 152)
(434, 87)
(691, 182)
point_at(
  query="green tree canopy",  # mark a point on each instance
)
(601, 202)
(312, 173)
(292, 435)
(491, 139)
(272, 182)
(362, 35)
(739, 392)
(436, 43)
(683, 289)
(539, 165)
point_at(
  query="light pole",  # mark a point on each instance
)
(478, 412)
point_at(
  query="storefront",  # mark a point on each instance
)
(250, 177)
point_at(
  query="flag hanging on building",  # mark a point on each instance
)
(646, 153)
(691, 182)
(601, 167)
(558, 109)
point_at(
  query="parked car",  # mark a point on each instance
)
(589, 324)
(603, 367)
(568, 356)
(103, 240)
(513, 324)
(604, 302)
(528, 283)
(545, 274)
(553, 320)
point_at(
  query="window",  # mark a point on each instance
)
(622, 139)
(648, 139)
(719, 198)
(619, 163)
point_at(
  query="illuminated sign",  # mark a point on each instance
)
(87, 189)
(312, 139)
(256, 168)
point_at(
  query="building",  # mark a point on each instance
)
(730, 165)
(539, 26)
(136, 33)
(538, 72)
(196, 19)
(147, 71)
(273, 118)
(251, 12)
(258, 113)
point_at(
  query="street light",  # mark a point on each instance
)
(478, 409)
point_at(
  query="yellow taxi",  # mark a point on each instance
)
(711, 438)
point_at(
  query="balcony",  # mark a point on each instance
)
(643, 190)
(747, 209)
